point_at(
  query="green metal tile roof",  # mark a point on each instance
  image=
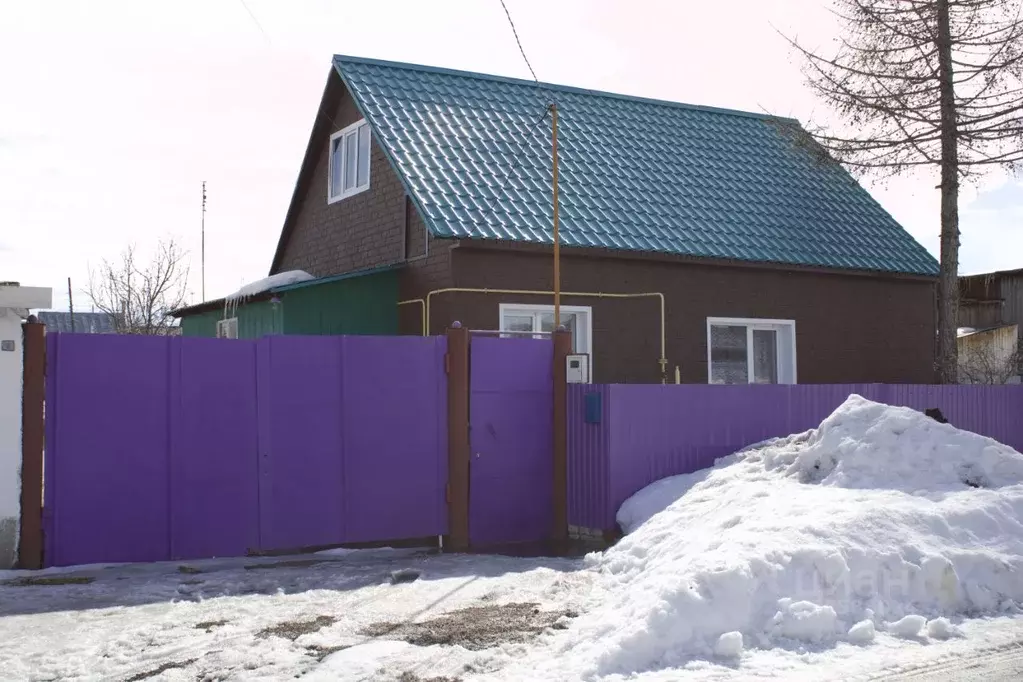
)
(634, 174)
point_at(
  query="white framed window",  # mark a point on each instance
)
(227, 329)
(348, 162)
(750, 351)
(539, 319)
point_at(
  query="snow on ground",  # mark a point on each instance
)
(880, 543)
(265, 619)
(879, 516)
(281, 279)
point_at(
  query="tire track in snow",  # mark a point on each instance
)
(990, 664)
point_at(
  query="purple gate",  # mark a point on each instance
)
(511, 440)
(176, 448)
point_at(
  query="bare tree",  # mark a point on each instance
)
(926, 83)
(140, 297)
(983, 364)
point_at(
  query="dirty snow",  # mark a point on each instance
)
(879, 543)
(881, 514)
(281, 279)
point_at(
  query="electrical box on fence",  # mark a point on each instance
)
(578, 368)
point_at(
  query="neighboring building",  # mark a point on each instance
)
(989, 355)
(79, 323)
(773, 265)
(15, 303)
(990, 310)
(991, 299)
(295, 303)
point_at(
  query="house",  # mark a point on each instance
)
(702, 241)
(990, 312)
(78, 323)
(989, 355)
(15, 303)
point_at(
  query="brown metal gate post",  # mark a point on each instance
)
(30, 539)
(562, 349)
(456, 363)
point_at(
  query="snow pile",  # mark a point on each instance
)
(880, 519)
(281, 279)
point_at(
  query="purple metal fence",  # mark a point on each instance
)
(168, 448)
(624, 437)
(512, 440)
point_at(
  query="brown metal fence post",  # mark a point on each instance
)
(457, 366)
(30, 542)
(562, 349)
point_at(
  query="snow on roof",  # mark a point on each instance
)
(267, 283)
(970, 331)
(881, 520)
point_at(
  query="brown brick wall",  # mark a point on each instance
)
(849, 328)
(373, 228)
(363, 231)
(428, 269)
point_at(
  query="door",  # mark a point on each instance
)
(511, 440)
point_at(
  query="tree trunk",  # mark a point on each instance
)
(948, 281)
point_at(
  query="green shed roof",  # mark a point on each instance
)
(635, 174)
(268, 293)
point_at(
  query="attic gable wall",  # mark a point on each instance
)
(362, 231)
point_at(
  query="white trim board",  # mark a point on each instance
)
(758, 323)
(585, 311)
(343, 194)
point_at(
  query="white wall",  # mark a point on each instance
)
(10, 437)
(989, 356)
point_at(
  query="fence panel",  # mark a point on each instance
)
(214, 495)
(649, 432)
(301, 458)
(395, 437)
(589, 432)
(173, 448)
(106, 459)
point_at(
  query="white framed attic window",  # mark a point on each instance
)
(348, 162)
(750, 351)
(227, 329)
(522, 319)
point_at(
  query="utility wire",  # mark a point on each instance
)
(516, 162)
(518, 42)
(255, 20)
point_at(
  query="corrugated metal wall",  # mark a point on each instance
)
(360, 305)
(649, 432)
(589, 478)
(255, 320)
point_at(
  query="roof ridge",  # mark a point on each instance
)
(339, 60)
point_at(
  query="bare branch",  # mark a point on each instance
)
(923, 83)
(140, 299)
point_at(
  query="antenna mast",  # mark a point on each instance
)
(202, 265)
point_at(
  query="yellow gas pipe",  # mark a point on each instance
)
(425, 303)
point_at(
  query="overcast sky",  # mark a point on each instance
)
(112, 113)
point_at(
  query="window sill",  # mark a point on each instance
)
(346, 195)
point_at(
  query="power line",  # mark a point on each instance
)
(255, 20)
(518, 42)
(516, 162)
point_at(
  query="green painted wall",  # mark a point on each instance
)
(359, 305)
(203, 324)
(255, 320)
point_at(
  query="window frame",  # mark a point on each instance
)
(751, 324)
(533, 309)
(352, 129)
(231, 325)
